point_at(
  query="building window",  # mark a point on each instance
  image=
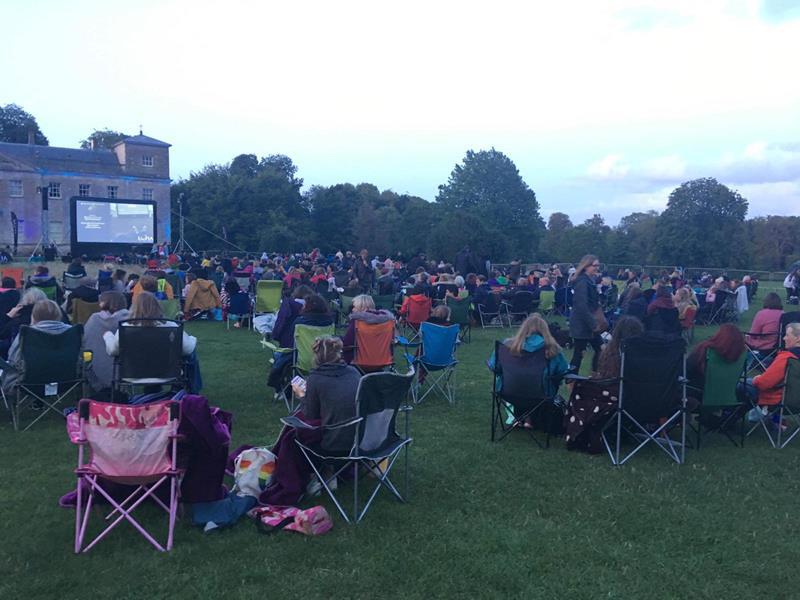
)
(84, 189)
(15, 188)
(54, 190)
(112, 191)
(147, 161)
(147, 193)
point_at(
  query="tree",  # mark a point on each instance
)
(703, 226)
(554, 245)
(16, 123)
(103, 138)
(632, 241)
(488, 187)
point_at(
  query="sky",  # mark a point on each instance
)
(605, 107)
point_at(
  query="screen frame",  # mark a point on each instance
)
(79, 248)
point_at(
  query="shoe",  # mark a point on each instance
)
(314, 487)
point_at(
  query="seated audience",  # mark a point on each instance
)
(76, 267)
(767, 389)
(440, 315)
(113, 309)
(634, 303)
(662, 316)
(86, 291)
(19, 315)
(156, 284)
(728, 342)
(202, 296)
(283, 331)
(742, 301)
(363, 310)
(416, 306)
(45, 316)
(118, 281)
(9, 298)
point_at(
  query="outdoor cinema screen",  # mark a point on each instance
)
(98, 222)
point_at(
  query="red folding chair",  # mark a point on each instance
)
(373, 350)
(417, 311)
(130, 445)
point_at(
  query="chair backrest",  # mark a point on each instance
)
(379, 397)
(82, 310)
(170, 308)
(522, 376)
(651, 368)
(385, 302)
(243, 281)
(459, 309)
(268, 296)
(175, 282)
(721, 379)
(341, 278)
(51, 291)
(150, 348)
(791, 388)
(441, 289)
(218, 279)
(547, 300)
(374, 345)
(418, 310)
(304, 336)
(438, 343)
(17, 275)
(688, 317)
(239, 304)
(522, 302)
(71, 282)
(347, 304)
(50, 357)
(129, 440)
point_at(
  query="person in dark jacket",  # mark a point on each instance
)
(585, 302)
(634, 303)
(86, 291)
(662, 316)
(76, 268)
(282, 332)
(9, 298)
(364, 272)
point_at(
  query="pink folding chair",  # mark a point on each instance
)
(131, 445)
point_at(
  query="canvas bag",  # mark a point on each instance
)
(312, 521)
(252, 471)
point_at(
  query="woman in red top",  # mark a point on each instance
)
(770, 383)
(766, 324)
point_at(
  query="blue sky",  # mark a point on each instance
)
(604, 106)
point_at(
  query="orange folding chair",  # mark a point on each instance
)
(373, 351)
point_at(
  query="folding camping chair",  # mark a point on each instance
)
(130, 445)
(562, 301)
(376, 443)
(384, 302)
(435, 360)
(346, 303)
(71, 282)
(459, 315)
(240, 309)
(720, 394)
(51, 291)
(303, 354)
(171, 308)
(16, 274)
(268, 296)
(82, 310)
(724, 308)
(418, 313)
(652, 398)
(518, 387)
(244, 280)
(759, 359)
(373, 348)
(547, 299)
(491, 310)
(786, 414)
(53, 370)
(150, 353)
(521, 305)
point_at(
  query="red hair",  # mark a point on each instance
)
(728, 342)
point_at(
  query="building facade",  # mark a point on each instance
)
(137, 168)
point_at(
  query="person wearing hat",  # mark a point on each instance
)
(86, 291)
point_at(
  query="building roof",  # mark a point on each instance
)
(144, 140)
(53, 159)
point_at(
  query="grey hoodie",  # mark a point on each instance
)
(331, 397)
(101, 370)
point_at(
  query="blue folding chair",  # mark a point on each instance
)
(240, 309)
(435, 361)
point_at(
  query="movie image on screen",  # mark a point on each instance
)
(113, 222)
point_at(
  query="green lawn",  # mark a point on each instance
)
(484, 519)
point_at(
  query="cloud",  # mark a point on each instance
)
(760, 162)
(609, 167)
(780, 10)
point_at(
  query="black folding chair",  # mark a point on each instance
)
(518, 386)
(150, 353)
(521, 304)
(490, 311)
(652, 398)
(53, 370)
(782, 423)
(376, 443)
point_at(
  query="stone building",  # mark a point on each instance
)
(137, 168)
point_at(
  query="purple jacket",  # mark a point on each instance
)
(283, 332)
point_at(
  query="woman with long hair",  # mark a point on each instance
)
(113, 309)
(728, 342)
(625, 327)
(583, 323)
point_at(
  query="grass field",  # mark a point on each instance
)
(484, 520)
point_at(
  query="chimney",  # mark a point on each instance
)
(31, 137)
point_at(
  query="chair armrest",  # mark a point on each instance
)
(575, 377)
(5, 365)
(403, 341)
(298, 423)
(347, 423)
(405, 408)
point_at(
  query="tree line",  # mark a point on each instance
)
(260, 204)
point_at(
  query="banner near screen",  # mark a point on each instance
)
(114, 222)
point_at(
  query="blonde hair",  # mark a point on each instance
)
(45, 310)
(327, 350)
(145, 306)
(32, 296)
(586, 261)
(363, 302)
(534, 324)
(684, 301)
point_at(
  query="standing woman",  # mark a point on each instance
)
(585, 305)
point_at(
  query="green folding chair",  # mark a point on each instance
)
(384, 302)
(171, 308)
(547, 302)
(268, 296)
(720, 396)
(303, 362)
(459, 315)
(50, 291)
(347, 307)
